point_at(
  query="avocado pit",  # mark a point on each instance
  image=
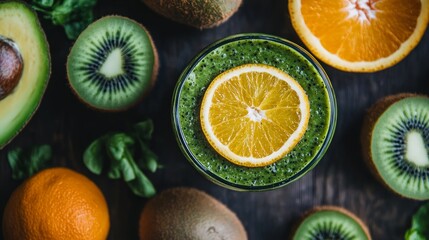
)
(11, 65)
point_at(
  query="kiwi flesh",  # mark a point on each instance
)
(330, 223)
(395, 143)
(187, 213)
(196, 13)
(113, 64)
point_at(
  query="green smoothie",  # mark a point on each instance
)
(236, 51)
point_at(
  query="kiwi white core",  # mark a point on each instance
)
(113, 65)
(415, 151)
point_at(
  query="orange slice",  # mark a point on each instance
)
(360, 35)
(254, 114)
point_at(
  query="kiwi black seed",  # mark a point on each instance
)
(187, 213)
(196, 13)
(113, 64)
(330, 223)
(395, 143)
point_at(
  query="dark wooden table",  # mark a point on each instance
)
(341, 178)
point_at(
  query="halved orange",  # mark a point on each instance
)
(360, 35)
(254, 114)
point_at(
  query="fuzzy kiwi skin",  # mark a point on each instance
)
(155, 71)
(187, 213)
(336, 209)
(371, 117)
(196, 13)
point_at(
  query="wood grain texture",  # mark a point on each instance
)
(341, 178)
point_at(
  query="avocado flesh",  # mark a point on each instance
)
(21, 25)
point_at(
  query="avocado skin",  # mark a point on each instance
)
(187, 213)
(41, 77)
(196, 13)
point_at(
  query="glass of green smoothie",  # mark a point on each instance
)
(235, 51)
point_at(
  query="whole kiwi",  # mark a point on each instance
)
(187, 213)
(196, 13)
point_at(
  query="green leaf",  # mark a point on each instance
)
(421, 220)
(122, 152)
(44, 3)
(414, 235)
(13, 157)
(144, 129)
(74, 28)
(114, 170)
(149, 160)
(39, 157)
(26, 162)
(118, 143)
(73, 15)
(420, 224)
(120, 148)
(71, 10)
(142, 186)
(127, 169)
(94, 156)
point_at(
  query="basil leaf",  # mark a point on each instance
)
(117, 145)
(94, 156)
(120, 148)
(39, 157)
(26, 162)
(142, 186)
(71, 10)
(73, 29)
(148, 160)
(420, 220)
(73, 15)
(414, 235)
(44, 3)
(121, 168)
(13, 157)
(144, 130)
(75, 26)
(122, 152)
(115, 169)
(420, 224)
(127, 168)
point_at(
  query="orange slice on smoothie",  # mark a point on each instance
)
(360, 35)
(254, 114)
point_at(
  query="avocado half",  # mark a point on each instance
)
(20, 30)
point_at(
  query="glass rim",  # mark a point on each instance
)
(194, 160)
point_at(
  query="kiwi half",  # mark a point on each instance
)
(333, 223)
(395, 141)
(112, 64)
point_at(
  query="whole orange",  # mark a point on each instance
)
(56, 203)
